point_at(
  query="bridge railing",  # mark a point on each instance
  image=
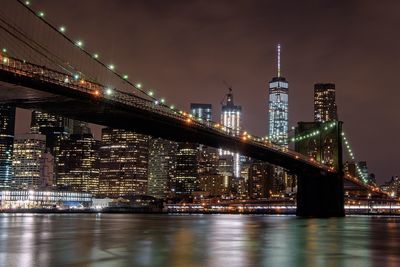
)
(75, 82)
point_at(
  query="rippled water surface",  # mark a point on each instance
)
(197, 240)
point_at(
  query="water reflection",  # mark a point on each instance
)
(197, 240)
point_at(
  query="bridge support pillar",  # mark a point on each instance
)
(320, 195)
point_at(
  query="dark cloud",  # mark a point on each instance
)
(184, 49)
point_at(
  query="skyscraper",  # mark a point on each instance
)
(27, 160)
(324, 102)
(231, 118)
(55, 128)
(260, 180)
(203, 111)
(78, 166)
(7, 123)
(278, 107)
(162, 164)
(123, 162)
(186, 175)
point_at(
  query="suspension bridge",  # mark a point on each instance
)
(42, 68)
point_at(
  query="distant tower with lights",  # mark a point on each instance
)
(231, 119)
(278, 107)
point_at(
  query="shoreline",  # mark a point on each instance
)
(122, 211)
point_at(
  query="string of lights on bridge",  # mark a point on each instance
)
(62, 30)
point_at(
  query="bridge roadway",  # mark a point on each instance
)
(30, 86)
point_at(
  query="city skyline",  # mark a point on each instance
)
(319, 48)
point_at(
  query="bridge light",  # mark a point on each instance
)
(150, 93)
(244, 138)
(111, 67)
(96, 56)
(76, 76)
(97, 92)
(41, 14)
(5, 60)
(62, 29)
(156, 102)
(188, 120)
(139, 85)
(162, 100)
(79, 43)
(4, 50)
(27, 3)
(66, 80)
(82, 81)
(125, 77)
(109, 91)
(172, 107)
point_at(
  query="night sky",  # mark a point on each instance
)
(185, 49)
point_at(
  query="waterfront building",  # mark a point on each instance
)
(123, 163)
(162, 164)
(27, 160)
(186, 176)
(7, 123)
(325, 108)
(78, 167)
(24, 199)
(231, 118)
(278, 108)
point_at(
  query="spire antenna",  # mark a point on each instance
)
(279, 60)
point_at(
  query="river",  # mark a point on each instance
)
(196, 240)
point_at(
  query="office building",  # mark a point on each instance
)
(78, 167)
(162, 164)
(55, 128)
(186, 176)
(27, 160)
(325, 102)
(47, 169)
(7, 123)
(278, 108)
(123, 163)
(203, 111)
